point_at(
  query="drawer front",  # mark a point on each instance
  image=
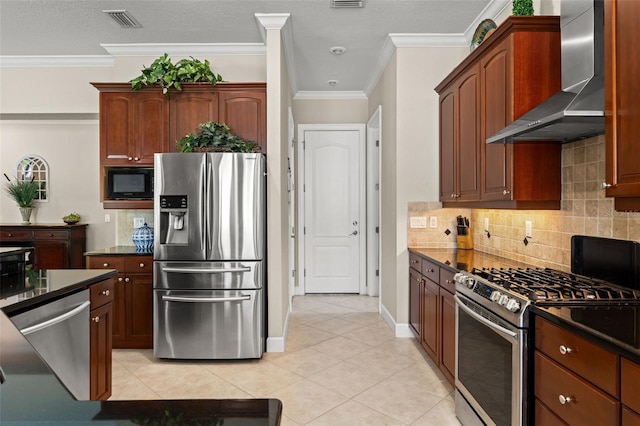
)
(415, 261)
(141, 264)
(588, 405)
(101, 293)
(16, 235)
(595, 364)
(106, 262)
(446, 280)
(51, 235)
(544, 416)
(431, 270)
(630, 381)
(630, 418)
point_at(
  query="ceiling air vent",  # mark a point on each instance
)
(123, 18)
(347, 3)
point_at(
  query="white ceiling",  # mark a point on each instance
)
(79, 28)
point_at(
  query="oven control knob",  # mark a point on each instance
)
(469, 282)
(459, 278)
(502, 300)
(495, 296)
(513, 305)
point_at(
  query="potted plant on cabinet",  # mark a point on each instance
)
(214, 136)
(167, 75)
(522, 8)
(23, 192)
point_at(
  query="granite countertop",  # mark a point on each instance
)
(465, 260)
(31, 393)
(42, 225)
(119, 251)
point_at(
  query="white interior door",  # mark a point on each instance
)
(334, 219)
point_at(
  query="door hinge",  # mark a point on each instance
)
(304, 230)
(377, 229)
(377, 272)
(293, 273)
(377, 143)
(305, 272)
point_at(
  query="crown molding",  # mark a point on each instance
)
(302, 95)
(494, 9)
(280, 21)
(185, 49)
(56, 61)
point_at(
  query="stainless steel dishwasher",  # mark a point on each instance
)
(59, 331)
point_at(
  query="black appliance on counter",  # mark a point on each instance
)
(493, 310)
(13, 262)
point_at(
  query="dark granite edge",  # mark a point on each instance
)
(594, 336)
(118, 251)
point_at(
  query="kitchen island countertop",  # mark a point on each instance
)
(119, 251)
(31, 393)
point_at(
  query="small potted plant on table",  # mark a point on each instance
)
(23, 192)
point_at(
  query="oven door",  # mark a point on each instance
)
(490, 367)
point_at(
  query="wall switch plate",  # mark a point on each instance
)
(433, 222)
(486, 223)
(107, 217)
(418, 222)
(528, 227)
(138, 222)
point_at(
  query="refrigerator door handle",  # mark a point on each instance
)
(205, 299)
(206, 270)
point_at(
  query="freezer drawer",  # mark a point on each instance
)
(207, 275)
(203, 324)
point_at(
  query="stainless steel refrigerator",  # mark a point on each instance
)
(209, 256)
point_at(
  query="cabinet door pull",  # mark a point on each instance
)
(126, 280)
(605, 185)
(564, 399)
(506, 192)
(120, 279)
(95, 319)
(430, 271)
(142, 265)
(136, 158)
(130, 158)
(564, 350)
(105, 264)
(105, 292)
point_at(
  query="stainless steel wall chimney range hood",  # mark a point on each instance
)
(576, 112)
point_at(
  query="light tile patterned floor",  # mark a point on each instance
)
(342, 366)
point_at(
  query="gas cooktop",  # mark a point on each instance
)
(549, 286)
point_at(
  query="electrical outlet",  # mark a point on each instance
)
(107, 217)
(528, 226)
(486, 223)
(138, 222)
(418, 222)
(433, 222)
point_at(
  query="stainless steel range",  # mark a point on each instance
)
(493, 334)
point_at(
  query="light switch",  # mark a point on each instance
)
(433, 222)
(528, 228)
(418, 222)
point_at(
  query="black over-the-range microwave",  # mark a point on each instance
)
(129, 183)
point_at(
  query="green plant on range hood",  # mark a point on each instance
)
(164, 73)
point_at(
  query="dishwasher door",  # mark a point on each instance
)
(59, 331)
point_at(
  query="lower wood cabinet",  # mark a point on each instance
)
(432, 313)
(101, 316)
(57, 246)
(578, 382)
(133, 299)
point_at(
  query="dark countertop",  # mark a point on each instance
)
(30, 392)
(616, 328)
(119, 251)
(41, 225)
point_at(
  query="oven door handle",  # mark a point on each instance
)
(495, 327)
(205, 270)
(205, 299)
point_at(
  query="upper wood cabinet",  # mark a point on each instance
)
(134, 125)
(622, 104)
(515, 69)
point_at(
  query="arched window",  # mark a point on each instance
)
(34, 167)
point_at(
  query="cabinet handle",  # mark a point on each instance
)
(120, 279)
(564, 399)
(10, 234)
(142, 265)
(564, 350)
(430, 271)
(130, 158)
(95, 319)
(506, 192)
(105, 292)
(104, 265)
(126, 280)
(414, 261)
(449, 281)
(136, 158)
(605, 185)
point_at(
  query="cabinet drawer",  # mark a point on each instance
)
(16, 235)
(415, 261)
(446, 280)
(133, 264)
(630, 418)
(101, 293)
(106, 262)
(595, 364)
(588, 405)
(430, 270)
(544, 416)
(51, 235)
(630, 372)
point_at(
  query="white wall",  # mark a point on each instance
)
(330, 111)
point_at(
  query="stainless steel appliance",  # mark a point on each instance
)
(492, 322)
(209, 256)
(59, 331)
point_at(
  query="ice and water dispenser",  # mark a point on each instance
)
(174, 223)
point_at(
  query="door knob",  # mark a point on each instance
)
(353, 233)
(355, 223)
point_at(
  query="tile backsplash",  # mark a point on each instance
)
(124, 224)
(585, 211)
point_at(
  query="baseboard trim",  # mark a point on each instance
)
(399, 330)
(278, 344)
